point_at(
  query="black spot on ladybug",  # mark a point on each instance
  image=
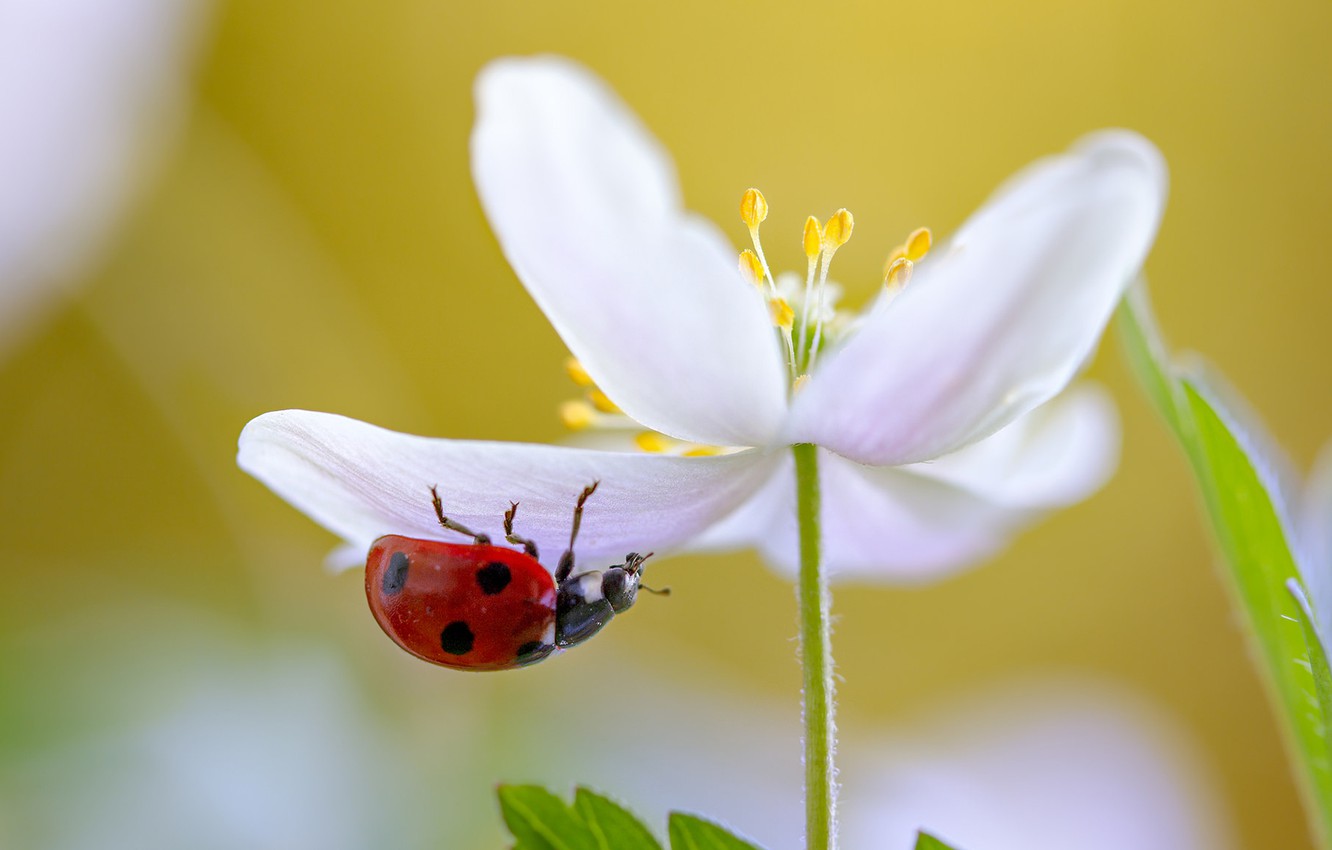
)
(395, 577)
(493, 577)
(456, 639)
(533, 651)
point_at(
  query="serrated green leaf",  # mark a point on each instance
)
(1252, 536)
(925, 841)
(539, 820)
(613, 826)
(691, 833)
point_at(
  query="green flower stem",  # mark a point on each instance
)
(815, 659)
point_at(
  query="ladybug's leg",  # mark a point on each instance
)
(528, 546)
(567, 559)
(451, 525)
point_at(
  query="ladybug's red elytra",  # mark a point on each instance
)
(475, 606)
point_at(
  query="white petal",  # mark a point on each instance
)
(879, 524)
(586, 207)
(1059, 454)
(998, 321)
(90, 95)
(361, 482)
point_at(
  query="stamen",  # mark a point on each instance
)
(577, 415)
(918, 244)
(800, 382)
(898, 253)
(782, 314)
(812, 242)
(577, 373)
(813, 238)
(751, 267)
(898, 274)
(836, 234)
(753, 208)
(602, 402)
(703, 451)
(753, 211)
(838, 231)
(651, 441)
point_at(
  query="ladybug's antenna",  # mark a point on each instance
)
(634, 564)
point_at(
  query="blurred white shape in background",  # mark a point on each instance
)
(268, 751)
(91, 95)
(1040, 765)
(1049, 764)
(212, 740)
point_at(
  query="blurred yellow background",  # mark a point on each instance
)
(313, 240)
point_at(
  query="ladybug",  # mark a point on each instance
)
(476, 606)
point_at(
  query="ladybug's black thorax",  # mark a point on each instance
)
(586, 602)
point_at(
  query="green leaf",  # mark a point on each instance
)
(925, 841)
(691, 833)
(1234, 482)
(1318, 664)
(614, 827)
(541, 821)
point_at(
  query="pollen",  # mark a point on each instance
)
(703, 451)
(753, 208)
(651, 441)
(602, 402)
(813, 241)
(577, 373)
(577, 415)
(782, 314)
(838, 231)
(914, 249)
(918, 244)
(899, 273)
(751, 267)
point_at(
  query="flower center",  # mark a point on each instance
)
(807, 319)
(804, 314)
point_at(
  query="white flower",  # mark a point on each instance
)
(90, 93)
(930, 409)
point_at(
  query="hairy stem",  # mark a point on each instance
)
(815, 660)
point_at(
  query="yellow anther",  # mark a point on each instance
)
(751, 267)
(898, 253)
(577, 415)
(800, 382)
(577, 373)
(918, 244)
(899, 273)
(782, 314)
(838, 231)
(703, 451)
(603, 403)
(753, 208)
(813, 237)
(651, 441)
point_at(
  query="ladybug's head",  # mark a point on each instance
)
(621, 583)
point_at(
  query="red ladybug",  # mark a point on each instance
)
(474, 606)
